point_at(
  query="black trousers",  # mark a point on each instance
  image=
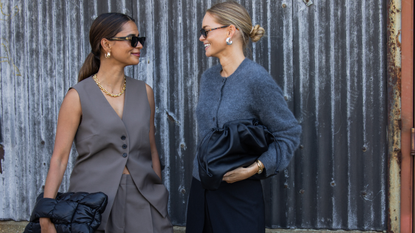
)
(233, 208)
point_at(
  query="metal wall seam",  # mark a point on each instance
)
(394, 113)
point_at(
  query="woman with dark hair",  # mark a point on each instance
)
(110, 117)
(237, 89)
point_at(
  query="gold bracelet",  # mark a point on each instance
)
(260, 169)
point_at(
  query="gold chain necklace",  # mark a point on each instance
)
(105, 90)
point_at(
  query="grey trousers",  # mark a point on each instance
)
(132, 213)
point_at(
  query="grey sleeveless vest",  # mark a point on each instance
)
(106, 144)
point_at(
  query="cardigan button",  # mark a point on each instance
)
(123, 137)
(124, 146)
(124, 155)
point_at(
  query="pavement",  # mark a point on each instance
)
(18, 227)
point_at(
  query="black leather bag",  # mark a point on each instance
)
(69, 212)
(238, 143)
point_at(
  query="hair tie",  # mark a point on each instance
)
(251, 30)
(95, 55)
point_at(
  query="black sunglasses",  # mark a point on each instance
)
(204, 32)
(133, 39)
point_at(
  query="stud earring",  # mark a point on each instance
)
(107, 55)
(228, 41)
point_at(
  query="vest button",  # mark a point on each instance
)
(124, 146)
(123, 137)
(124, 155)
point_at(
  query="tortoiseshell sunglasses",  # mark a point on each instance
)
(204, 32)
(133, 39)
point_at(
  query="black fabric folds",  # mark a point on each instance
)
(70, 212)
(238, 143)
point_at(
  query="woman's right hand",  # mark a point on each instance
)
(46, 225)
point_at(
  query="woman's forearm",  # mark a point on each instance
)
(54, 178)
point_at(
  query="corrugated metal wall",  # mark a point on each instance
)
(329, 58)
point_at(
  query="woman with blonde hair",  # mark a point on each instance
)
(236, 89)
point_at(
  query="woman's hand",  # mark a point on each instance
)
(241, 173)
(47, 226)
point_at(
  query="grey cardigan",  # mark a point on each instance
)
(250, 92)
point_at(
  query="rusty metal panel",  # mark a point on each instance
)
(329, 58)
(394, 90)
(407, 115)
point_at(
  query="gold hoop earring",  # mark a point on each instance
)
(108, 55)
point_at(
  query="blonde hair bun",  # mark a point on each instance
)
(256, 33)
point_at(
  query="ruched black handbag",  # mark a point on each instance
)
(238, 143)
(70, 212)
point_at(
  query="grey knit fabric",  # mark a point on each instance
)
(250, 92)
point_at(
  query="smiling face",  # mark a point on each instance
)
(215, 41)
(121, 51)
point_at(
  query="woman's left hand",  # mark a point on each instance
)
(240, 173)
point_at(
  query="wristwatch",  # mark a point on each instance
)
(260, 166)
